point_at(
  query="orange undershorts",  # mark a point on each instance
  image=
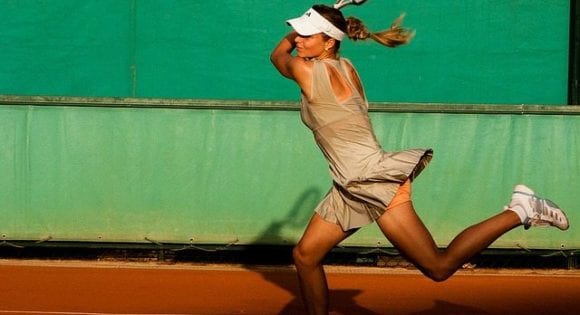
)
(402, 195)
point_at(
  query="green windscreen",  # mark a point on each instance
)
(100, 174)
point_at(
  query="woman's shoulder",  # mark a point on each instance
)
(300, 67)
(346, 60)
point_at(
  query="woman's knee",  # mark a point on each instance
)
(438, 272)
(439, 275)
(305, 258)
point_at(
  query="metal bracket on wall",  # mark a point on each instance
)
(571, 257)
(163, 247)
(161, 253)
(197, 247)
(9, 244)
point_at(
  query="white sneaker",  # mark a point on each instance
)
(536, 211)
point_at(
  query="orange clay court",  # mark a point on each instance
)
(93, 287)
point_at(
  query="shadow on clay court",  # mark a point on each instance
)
(341, 301)
(443, 307)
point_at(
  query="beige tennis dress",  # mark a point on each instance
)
(365, 178)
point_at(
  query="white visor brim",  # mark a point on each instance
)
(312, 22)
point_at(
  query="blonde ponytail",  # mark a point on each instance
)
(395, 36)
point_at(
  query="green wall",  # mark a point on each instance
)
(483, 52)
(177, 175)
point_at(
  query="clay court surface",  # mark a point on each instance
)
(81, 287)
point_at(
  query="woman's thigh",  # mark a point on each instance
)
(405, 230)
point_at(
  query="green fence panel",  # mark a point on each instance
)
(492, 52)
(251, 176)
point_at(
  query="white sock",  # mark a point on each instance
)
(519, 210)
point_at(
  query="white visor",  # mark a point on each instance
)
(312, 22)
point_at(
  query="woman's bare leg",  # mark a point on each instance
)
(405, 230)
(318, 239)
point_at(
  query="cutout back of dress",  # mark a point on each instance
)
(336, 93)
